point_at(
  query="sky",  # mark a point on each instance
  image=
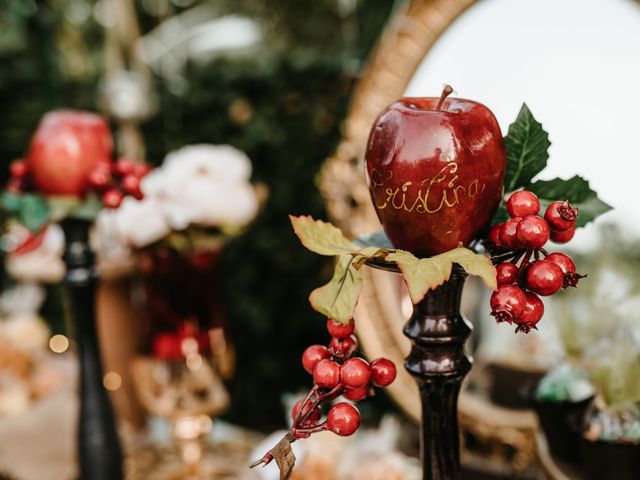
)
(576, 63)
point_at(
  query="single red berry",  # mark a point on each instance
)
(544, 277)
(563, 236)
(508, 234)
(533, 232)
(523, 204)
(565, 262)
(141, 169)
(131, 185)
(312, 417)
(561, 216)
(124, 167)
(312, 355)
(166, 346)
(507, 273)
(343, 348)
(507, 303)
(494, 235)
(533, 311)
(343, 419)
(100, 177)
(19, 168)
(326, 374)
(383, 372)
(112, 198)
(355, 373)
(340, 330)
(357, 394)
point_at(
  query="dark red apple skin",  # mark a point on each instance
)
(435, 176)
(65, 148)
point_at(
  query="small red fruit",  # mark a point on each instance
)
(508, 234)
(166, 346)
(131, 185)
(141, 169)
(343, 347)
(383, 372)
(357, 394)
(100, 177)
(112, 198)
(533, 311)
(494, 235)
(533, 232)
(340, 330)
(343, 419)
(124, 167)
(563, 236)
(312, 355)
(326, 374)
(507, 303)
(18, 168)
(561, 215)
(312, 418)
(507, 273)
(565, 262)
(523, 204)
(545, 277)
(355, 373)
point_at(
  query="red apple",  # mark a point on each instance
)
(65, 149)
(435, 171)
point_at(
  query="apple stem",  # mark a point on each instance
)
(446, 91)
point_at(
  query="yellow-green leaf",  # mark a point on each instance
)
(338, 298)
(474, 264)
(422, 274)
(321, 237)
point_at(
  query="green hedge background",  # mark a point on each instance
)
(296, 88)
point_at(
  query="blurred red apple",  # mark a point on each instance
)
(65, 149)
(436, 172)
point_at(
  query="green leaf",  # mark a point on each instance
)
(11, 202)
(321, 237)
(61, 206)
(338, 298)
(501, 214)
(426, 274)
(88, 209)
(577, 191)
(33, 213)
(527, 145)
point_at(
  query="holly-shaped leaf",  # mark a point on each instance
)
(526, 145)
(338, 298)
(577, 191)
(321, 237)
(424, 274)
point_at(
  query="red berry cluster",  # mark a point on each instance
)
(337, 372)
(525, 269)
(111, 180)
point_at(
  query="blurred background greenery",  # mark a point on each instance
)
(281, 101)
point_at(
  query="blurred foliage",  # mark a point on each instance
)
(282, 103)
(599, 323)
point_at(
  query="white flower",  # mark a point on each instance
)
(221, 203)
(140, 222)
(218, 162)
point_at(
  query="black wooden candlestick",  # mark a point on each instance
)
(439, 364)
(99, 453)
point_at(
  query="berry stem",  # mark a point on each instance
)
(544, 252)
(503, 257)
(446, 91)
(308, 412)
(308, 431)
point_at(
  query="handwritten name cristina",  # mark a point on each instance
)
(431, 195)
